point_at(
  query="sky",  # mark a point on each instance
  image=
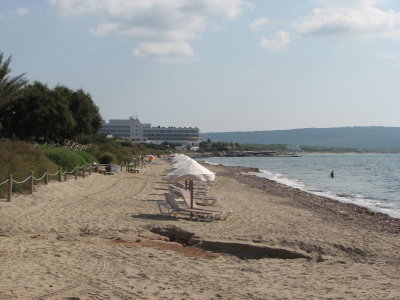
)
(219, 65)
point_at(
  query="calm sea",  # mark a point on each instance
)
(369, 180)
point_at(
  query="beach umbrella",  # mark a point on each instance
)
(192, 171)
(177, 157)
(179, 162)
(151, 157)
(182, 162)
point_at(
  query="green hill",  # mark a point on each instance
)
(380, 138)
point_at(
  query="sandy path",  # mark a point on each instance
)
(84, 239)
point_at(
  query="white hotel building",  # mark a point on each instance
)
(133, 130)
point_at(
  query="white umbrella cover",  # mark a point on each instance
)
(191, 170)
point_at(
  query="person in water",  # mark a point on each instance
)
(331, 175)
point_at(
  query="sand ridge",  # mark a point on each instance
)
(92, 239)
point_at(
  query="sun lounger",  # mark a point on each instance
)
(203, 197)
(175, 208)
(186, 198)
(197, 186)
(197, 193)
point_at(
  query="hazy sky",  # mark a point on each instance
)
(220, 65)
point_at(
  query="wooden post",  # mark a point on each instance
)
(59, 175)
(10, 184)
(191, 193)
(84, 169)
(46, 177)
(76, 172)
(121, 167)
(65, 174)
(31, 183)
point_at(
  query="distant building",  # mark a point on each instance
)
(133, 130)
(294, 148)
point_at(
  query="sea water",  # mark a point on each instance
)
(369, 180)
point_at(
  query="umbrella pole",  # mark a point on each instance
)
(191, 193)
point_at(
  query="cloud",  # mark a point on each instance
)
(257, 24)
(166, 49)
(157, 28)
(22, 11)
(340, 22)
(349, 3)
(278, 43)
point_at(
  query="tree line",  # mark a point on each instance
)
(33, 111)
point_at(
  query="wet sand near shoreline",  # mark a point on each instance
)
(103, 238)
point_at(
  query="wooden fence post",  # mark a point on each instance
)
(59, 175)
(46, 177)
(83, 171)
(10, 183)
(31, 183)
(76, 172)
(121, 167)
(65, 174)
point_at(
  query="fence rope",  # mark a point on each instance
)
(54, 173)
(4, 182)
(71, 172)
(20, 182)
(59, 172)
(38, 179)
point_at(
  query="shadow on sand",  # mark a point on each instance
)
(156, 217)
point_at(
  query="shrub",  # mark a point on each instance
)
(67, 158)
(89, 158)
(107, 158)
(19, 159)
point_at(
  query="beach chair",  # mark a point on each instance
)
(174, 209)
(203, 197)
(132, 169)
(186, 198)
(197, 186)
(108, 170)
(196, 192)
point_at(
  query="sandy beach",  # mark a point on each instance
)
(103, 237)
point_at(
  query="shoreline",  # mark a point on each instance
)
(323, 206)
(368, 203)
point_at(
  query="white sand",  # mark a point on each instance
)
(86, 239)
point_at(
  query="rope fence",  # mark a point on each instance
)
(37, 179)
(21, 182)
(108, 169)
(10, 181)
